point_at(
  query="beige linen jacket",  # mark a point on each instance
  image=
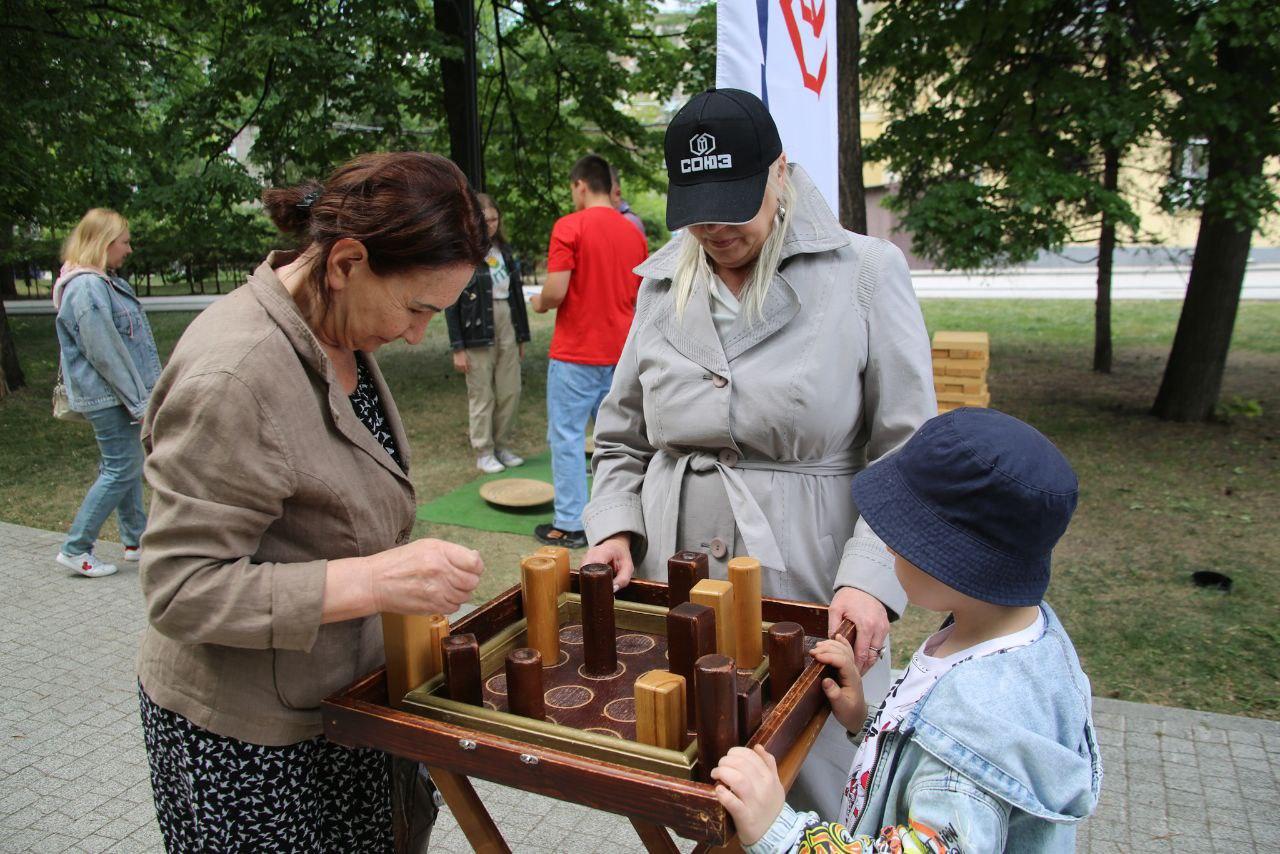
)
(261, 473)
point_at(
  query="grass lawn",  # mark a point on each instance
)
(1158, 500)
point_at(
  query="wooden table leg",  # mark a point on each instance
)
(656, 839)
(470, 813)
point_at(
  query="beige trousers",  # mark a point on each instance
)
(493, 384)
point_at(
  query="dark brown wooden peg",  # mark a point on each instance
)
(750, 699)
(786, 657)
(461, 655)
(715, 684)
(691, 634)
(524, 683)
(599, 640)
(684, 569)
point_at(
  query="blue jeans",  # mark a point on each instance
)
(119, 483)
(574, 393)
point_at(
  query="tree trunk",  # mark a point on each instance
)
(11, 376)
(853, 195)
(1106, 255)
(1193, 376)
(456, 21)
(8, 284)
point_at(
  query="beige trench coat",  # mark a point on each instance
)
(750, 446)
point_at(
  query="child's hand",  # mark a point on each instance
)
(749, 788)
(847, 701)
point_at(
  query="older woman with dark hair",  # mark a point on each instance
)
(283, 513)
(773, 356)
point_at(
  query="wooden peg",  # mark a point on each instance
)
(744, 575)
(461, 656)
(539, 588)
(691, 634)
(715, 683)
(412, 646)
(524, 684)
(660, 709)
(561, 556)
(599, 640)
(718, 596)
(750, 707)
(786, 657)
(684, 569)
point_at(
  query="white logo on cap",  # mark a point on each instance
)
(702, 145)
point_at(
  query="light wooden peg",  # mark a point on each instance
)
(660, 709)
(744, 575)
(718, 596)
(561, 556)
(540, 588)
(411, 643)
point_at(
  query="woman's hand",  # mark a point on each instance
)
(461, 361)
(424, 577)
(616, 552)
(521, 349)
(749, 788)
(868, 615)
(847, 701)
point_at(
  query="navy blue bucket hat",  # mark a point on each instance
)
(975, 498)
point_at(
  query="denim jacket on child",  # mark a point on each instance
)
(109, 356)
(1000, 755)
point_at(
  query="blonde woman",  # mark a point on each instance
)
(773, 355)
(109, 365)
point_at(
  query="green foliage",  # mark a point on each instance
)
(150, 106)
(1001, 113)
(1238, 407)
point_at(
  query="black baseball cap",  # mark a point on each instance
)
(719, 148)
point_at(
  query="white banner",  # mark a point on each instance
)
(784, 51)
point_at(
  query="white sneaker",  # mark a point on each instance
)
(132, 553)
(509, 459)
(489, 464)
(86, 565)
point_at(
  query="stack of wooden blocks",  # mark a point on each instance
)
(960, 363)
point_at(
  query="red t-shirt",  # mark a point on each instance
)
(601, 249)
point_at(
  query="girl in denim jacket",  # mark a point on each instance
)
(986, 743)
(109, 365)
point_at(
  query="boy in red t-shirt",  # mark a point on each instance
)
(590, 281)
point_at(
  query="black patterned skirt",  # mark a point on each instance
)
(215, 793)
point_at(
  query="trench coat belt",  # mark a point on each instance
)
(753, 526)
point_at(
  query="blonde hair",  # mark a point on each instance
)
(86, 245)
(692, 265)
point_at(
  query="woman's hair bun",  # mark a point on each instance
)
(290, 207)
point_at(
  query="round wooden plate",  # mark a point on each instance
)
(518, 492)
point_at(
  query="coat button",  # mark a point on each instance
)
(719, 381)
(718, 548)
(729, 457)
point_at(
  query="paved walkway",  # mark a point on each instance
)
(73, 773)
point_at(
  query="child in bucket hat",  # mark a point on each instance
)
(986, 742)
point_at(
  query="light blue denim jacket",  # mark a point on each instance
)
(1001, 750)
(109, 356)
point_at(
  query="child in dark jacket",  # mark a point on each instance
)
(986, 743)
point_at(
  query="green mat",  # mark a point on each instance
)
(465, 507)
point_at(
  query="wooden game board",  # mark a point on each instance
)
(565, 759)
